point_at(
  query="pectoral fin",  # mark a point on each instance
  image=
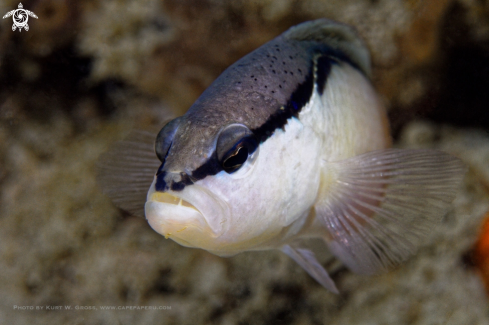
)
(306, 259)
(379, 205)
(126, 171)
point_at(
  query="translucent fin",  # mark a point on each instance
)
(126, 171)
(377, 206)
(306, 259)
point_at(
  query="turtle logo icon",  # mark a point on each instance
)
(20, 16)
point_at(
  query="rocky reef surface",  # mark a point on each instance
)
(87, 72)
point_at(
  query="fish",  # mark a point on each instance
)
(290, 143)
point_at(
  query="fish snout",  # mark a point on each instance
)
(175, 181)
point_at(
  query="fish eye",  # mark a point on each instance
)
(236, 143)
(164, 139)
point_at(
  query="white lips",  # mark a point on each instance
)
(176, 218)
(173, 221)
(171, 199)
(195, 224)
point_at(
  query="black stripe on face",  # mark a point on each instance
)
(323, 68)
(161, 184)
(210, 167)
(299, 98)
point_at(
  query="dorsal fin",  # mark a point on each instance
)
(339, 37)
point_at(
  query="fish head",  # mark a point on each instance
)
(218, 188)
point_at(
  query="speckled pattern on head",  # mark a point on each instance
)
(261, 91)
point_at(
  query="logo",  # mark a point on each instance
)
(20, 17)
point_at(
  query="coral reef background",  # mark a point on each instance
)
(87, 72)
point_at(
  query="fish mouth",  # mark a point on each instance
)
(174, 217)
(169, 217)
(189, 224)
(164, 197)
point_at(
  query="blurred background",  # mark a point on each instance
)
(88, 72)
